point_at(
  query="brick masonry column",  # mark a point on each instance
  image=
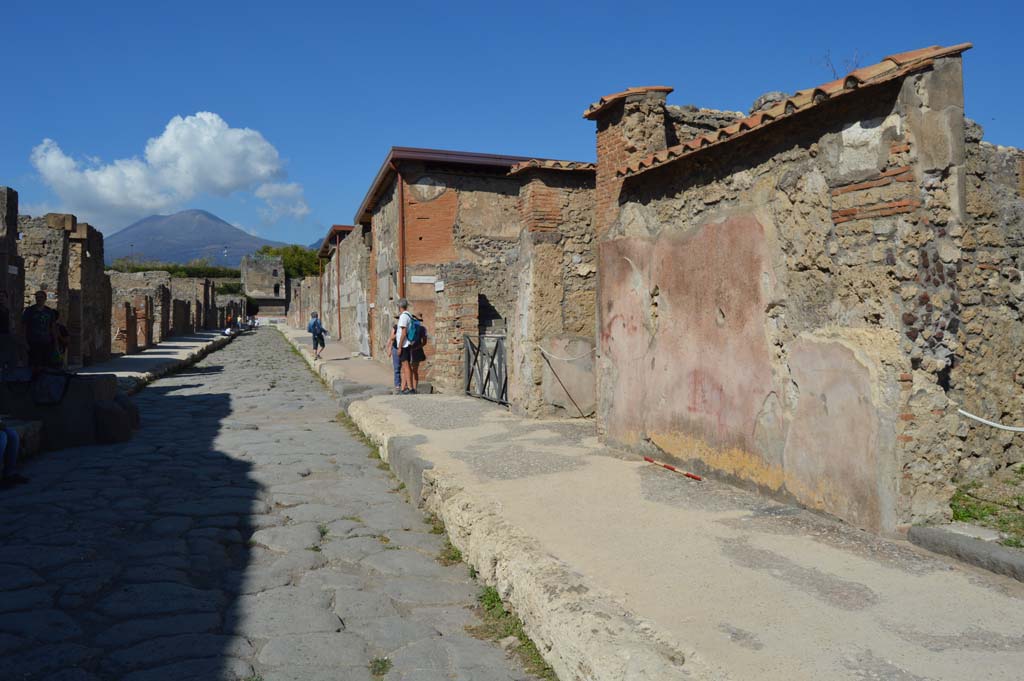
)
(630, 125)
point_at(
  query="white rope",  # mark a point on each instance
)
(1014, 429)
(566, 359)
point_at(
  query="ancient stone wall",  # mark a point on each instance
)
(760, 306)
(987, 376)
(346, 292)
(456, 314)
(44, 250)
(263, 280)
(383, 273)
(124, 329)
(197, 294)
(12, 271)
(551, 337)
(90, 291)
(157, 286)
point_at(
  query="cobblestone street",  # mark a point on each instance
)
(242, 534)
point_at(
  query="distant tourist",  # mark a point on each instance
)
(319, 335)
(396, 361)
(10, 443)
(408, 326)
(417, 354)
(40, 323)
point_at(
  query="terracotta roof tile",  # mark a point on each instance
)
(605, 101)
(890, 68)
(547, 164)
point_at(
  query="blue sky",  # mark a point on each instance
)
(304, 99)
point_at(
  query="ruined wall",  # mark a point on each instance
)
(760, 305)
(91, 297)
(555, 288)
(263, 276)
(687, 122)
(157, 286)
(44, 249)
(456, 314)
(384, 271)
(12, 272)
(352, 260)
(124, 329)
(988, 374)
(197, 294)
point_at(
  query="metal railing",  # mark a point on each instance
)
(484, 367)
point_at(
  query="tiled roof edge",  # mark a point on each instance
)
(544, 164)
(601, 104)
(892, 67)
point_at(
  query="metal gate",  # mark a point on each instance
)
(484, 367)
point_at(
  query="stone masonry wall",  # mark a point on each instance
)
(555, 284)
(761, 306)
(91, 286)
(44, 249)
(12, 272)
(456, 314)
(988, 374)
(157, 286)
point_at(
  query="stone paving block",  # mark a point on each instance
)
(384, 635)
(50, 658)
(284, 610)
(419, 591)
(361, 605)
(213, 669)
(288, 538)
(136, 630)
(134, 600)
(332, 650)
(18, 577)
(187, 646)
(42, 625)
(397, 561)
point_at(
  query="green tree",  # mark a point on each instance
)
(299, 261)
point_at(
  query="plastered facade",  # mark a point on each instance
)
(774, 310)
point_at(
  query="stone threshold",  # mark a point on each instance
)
(977, 546)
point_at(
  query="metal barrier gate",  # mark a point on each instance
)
(484, 367)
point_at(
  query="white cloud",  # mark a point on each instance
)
(283, 199)
(198, 154)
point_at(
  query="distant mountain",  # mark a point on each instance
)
(182, 237)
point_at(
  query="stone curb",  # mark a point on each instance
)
(989, 555)
(582, 632)
(133, 384)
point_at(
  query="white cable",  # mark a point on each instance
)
(1014, 429)
(566, 359)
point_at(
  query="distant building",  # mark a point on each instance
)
(263, 281)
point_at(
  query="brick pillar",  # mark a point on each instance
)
(456, 314)
(124, 334)
(630, 125)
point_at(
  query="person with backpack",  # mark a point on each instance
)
(408, 332)
(417, 355)
(319, 335)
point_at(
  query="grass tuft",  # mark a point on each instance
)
(323, 529)
(314, 548)
(379, 666)
(449, 555)
(499, 623)
(436, 526)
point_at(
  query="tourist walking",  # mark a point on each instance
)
(40, 324)
(319, 335)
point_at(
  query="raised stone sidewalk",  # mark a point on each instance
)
(135, 371)
(622, 570)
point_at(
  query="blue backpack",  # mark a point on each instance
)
(315, 327)
(413, 333)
